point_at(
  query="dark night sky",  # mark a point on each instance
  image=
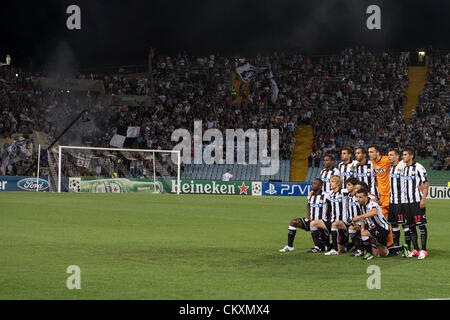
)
(118, 32)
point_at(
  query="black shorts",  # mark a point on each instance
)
(343, 238)
(415, 216)
(397, 213)
(305, 224)
(380, 236)
(328, 225)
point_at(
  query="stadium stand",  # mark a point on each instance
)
(427, 129)
(352, 98)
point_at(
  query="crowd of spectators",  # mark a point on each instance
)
(352, 98)
(380, 119)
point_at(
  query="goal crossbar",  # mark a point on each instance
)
(178, 152)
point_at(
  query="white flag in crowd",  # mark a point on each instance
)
(274, 89)
(273, 86)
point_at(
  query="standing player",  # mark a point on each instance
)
(338, 198)
(396, 214)
(317, 209)
(345, 166)
(373, 225)
(415, 175)
(364, 169)
(381, 168)
(329, 170)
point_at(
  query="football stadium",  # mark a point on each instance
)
(200, 172)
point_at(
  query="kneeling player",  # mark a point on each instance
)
(353, 211)
(374, 227)
(316, 209)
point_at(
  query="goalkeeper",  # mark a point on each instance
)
(381, 168)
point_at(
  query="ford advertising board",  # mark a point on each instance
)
(22, 184)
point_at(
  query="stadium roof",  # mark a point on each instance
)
(121, 32)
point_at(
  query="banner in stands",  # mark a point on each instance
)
(129, 100)
(285, 188)
(436, 192)
(130, 185)
(20, 183)
(72, 84)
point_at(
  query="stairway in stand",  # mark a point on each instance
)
(417, 79)
(303, 146)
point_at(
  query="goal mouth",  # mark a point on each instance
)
(113, 170)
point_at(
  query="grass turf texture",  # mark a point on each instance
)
(135, 246)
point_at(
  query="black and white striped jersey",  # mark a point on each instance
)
(345, 172)
(378, 221)
(353, 207)
(338, 204)
(396, 183)
(325, 176)
(318, 207)
(414, 176)
(365, 173)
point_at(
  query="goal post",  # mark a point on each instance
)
(96, 163)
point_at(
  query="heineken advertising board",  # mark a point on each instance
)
(131, 185)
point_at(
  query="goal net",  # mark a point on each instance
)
(114, 170)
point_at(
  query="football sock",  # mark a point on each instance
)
(396, 236)
(321, 238)
(407, 237)
(414, 240)
(342, 237)
(366, 244)
(326, 238)
(334, 238)
(291, 235)
(315, 236)
(423, 236)
(354, 236)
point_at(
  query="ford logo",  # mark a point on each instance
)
(29, 184)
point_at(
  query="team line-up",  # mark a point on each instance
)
(362, 203)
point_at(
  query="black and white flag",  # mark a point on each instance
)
(83, 160)
(125, 137)
(247, 72)
(17, 151)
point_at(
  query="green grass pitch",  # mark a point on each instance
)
(136, 246)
